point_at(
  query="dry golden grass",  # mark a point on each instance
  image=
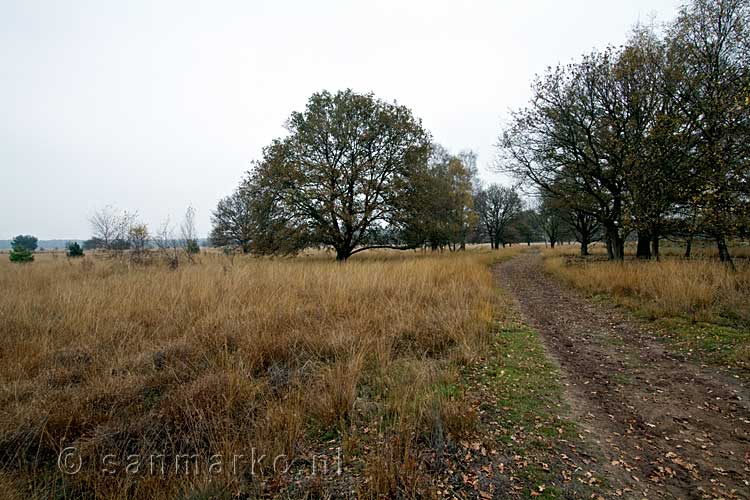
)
(701, 304)
(292, 356)
(700, 289)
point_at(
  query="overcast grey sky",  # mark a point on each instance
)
(152, 106)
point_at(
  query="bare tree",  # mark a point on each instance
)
(188, 234)
(110, 227)
(166, 243)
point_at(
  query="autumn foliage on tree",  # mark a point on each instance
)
(648, 138)
(354, 173)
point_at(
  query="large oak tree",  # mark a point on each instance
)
(338, 179)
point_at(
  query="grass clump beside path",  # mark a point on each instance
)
(701, 306)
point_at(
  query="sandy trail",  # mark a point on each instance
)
(668, 428)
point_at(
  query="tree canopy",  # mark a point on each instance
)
(354, 173)
(650, 137)
(25, 241)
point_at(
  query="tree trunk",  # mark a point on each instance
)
(584, 240)
(552, 243)
(615, 244)
(643, 251)
(619, 248)
(724, 251)
(655, 246)
(688, 247)
(343, 253)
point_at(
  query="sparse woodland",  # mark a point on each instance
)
(649, 138)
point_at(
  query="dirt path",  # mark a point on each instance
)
(668, 428)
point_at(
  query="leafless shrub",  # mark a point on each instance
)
(110, 227)
(167, 245)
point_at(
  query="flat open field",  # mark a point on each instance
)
(477, 374)
(299, 360)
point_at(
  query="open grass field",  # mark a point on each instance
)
(319, 366)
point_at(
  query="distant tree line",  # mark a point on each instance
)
(652, 138)
(118, 232)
